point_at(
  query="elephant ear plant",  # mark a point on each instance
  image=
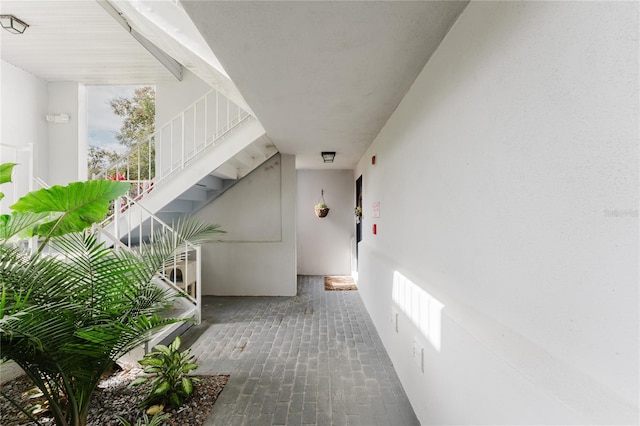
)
(66, 318)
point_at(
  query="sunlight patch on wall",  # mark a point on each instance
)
(424, 310)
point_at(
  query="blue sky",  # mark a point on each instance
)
(102, 123)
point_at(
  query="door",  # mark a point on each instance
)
(358, 217)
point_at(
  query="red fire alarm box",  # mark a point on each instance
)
(375, 229)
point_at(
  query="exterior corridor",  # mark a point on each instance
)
(315, 358)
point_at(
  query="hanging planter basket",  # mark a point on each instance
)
(321, 208)
(322, 212)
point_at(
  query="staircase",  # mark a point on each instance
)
(187, 163)
(183, 166)
(181, 275)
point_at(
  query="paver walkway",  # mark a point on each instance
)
(312, 359)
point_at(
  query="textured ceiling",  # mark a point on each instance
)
(76, 40)
(323, 76)
(320, 76)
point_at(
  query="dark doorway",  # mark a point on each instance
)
(358, 217)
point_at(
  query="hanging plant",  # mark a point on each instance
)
(358, 212)
(321, 208)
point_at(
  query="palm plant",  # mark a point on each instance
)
(66, 319)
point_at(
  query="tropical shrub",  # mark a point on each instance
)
(168, 369)
(66, 318)
(156, 420)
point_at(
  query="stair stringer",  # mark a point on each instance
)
(227, 185)
(173, 185)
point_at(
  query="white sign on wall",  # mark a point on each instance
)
(376, 209)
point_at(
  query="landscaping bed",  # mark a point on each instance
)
(113, 398)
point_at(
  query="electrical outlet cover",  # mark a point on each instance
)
(418, 354)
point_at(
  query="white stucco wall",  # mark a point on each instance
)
(177, 119)
(258, 254)
(83, 133)
(23, 107)
(67, 142)
(324, 244)
(508, 183)
(173, 96)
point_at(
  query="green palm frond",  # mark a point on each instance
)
(196, 232)
(19, 224)
(66, 318)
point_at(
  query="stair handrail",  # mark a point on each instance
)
(181, 257)
(120, 168)
(119, 245)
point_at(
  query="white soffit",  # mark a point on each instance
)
(165, 24)
(76, 40)
(323, 76)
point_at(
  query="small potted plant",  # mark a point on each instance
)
(358, 212)
(321, 209)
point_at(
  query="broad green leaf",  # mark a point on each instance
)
(187, 386)
(175, 345)
(162, 348)
(139, 381)
(79, 312)
(5, 172)
(162, 388)
(188, 367)
(175, 400)
(150, 361)
(80, 204)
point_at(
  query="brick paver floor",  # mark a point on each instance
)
(312, 359)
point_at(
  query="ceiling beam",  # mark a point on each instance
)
(173, 66)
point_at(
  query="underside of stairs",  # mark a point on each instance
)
(195, 183)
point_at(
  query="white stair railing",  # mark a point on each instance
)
(182, 274)
(198, 128)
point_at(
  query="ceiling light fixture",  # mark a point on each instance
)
(13, 24)
(328, 157)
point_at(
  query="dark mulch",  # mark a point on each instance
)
(114, 398)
